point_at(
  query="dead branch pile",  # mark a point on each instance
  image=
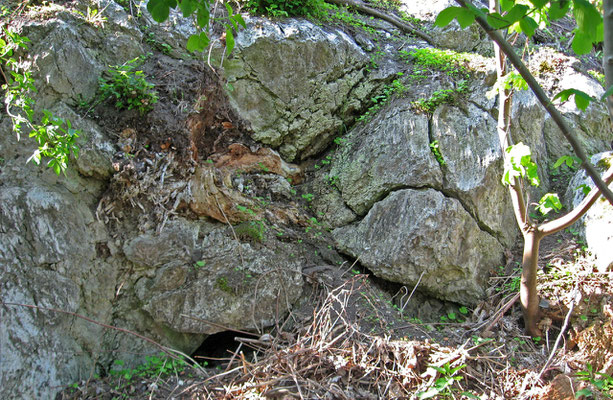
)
(333, 359)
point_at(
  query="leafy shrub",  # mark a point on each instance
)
(287, 8)
(129, 87)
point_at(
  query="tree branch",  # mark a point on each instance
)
(386, 17)
(567, 220)
(544, 100)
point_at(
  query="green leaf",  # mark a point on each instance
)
(528, 25)
(445, 17)
(582, 99)
(497, 21)
(539, 3)
(229, 40)
(160, 9)
(188, 7)
(582, 43)
(465, 18)
(518, 164)
(549, 202)
(558, 9)
(585, 189)
(203, 15)
(506, 5)
(239, 18)
(198, 42)
(516, 13)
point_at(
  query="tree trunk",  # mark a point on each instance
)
(607, 57)
(528, 293)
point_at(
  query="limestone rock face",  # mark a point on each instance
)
(596, 226)
(48, 258)
(469, 146)
(414, 234)
(297, 84)
(390, 152)
(236, 286)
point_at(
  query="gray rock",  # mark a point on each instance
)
(390, 152)
(415, 234)
(596, 226)
(296, 83)
(237, 285)
(47, 251)
(469, 145)
(176, 242)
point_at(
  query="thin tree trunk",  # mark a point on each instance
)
(528, 294)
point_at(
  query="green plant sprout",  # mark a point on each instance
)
(396, 87)
(434, 147)
(128, 87)
(443, 386)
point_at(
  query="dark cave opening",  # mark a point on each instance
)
(218, 348)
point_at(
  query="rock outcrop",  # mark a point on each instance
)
(172, 229)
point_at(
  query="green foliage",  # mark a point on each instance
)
(396, 87)
(443, 386)
(55, 136)
(426, 59)
(56, 141)
(443, 96)
(222, 284)
(602, 382)
(200, 10)
(519, 164)
(154, 367)
(523, 17)
(513, 80)
(287, 8)
(549, 202)
(308, 197)
(251, 229)
(351, 19)
(128, 87)
(434, 147)
(598, 76)
(569, 161)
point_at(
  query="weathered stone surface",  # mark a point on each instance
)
(176, 242)
(296, 84)
(473, 167)
(70, 54)
(238, 286)
(390, 152)
(47, 259)
(596, 226)
(452, 36)
(415, 232)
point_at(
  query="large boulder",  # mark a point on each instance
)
(297, 84)
(469, 146)
(422, 236)
(50, 258)
(231, 284)
(390, 152)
